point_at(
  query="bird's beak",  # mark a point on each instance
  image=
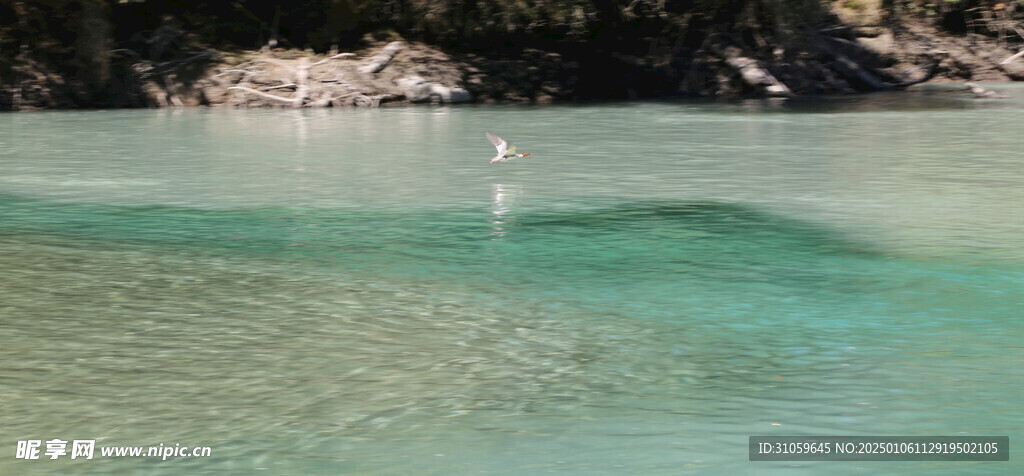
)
(526, 153)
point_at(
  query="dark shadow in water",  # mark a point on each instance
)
(719, 218)
(270, 226)
(617, 245)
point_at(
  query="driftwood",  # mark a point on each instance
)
(855, 72)
(867, 77)
(870, 78)
(1010, 59)
(304, 94)
(752, 72)
(301, 83)
(332, 81)
(382, 58)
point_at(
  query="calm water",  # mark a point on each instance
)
(359, 292)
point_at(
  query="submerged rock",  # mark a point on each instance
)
(984, 93)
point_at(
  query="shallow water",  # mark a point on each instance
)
(359, 292)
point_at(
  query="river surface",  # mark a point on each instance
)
(360, 292)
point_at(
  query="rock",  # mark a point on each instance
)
(984, 93)
(544, 99)
(1013, 69)
(417, 89)
(883, 44)
(450, 95)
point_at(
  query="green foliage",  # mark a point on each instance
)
(635, 36)
(322, 23)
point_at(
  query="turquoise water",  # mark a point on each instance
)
(359, 292)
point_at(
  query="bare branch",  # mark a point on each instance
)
(288, 85)
(1010, 59)
(227, 71)
(181, 62)
(337, 56)
(263, 94)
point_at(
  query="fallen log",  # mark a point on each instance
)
(752, 72)
(382, 58)
(867, 78)
(854, 72)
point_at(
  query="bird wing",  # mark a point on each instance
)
(500, 144)
(511, 151)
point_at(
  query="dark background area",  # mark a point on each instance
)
(80, 52)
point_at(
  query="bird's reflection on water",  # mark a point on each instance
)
(503, 198)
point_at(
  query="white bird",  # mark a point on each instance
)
(504, 152)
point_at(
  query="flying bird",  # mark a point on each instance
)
(504, 152)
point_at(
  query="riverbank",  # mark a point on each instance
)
(853, 51)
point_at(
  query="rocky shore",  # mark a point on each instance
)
(850, 54)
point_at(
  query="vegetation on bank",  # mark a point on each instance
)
(102, 53)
